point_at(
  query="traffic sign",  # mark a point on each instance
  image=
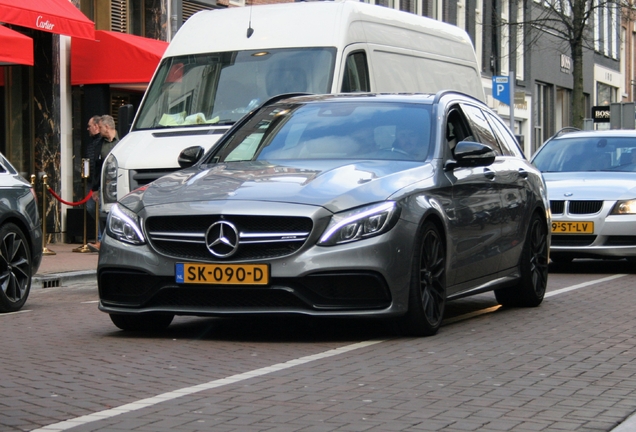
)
(501, 89)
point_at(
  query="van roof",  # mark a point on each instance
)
(314, 24)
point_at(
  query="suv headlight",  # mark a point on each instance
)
(626, 207)
(360, 223)
(124, 225)
(109, 180)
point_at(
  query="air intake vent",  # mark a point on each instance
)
(585, 207)
(557, 207)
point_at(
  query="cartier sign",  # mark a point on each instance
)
(41, 23)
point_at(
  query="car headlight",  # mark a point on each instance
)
(109, 179)
(360, 223)
(124, 225)
(626, 207)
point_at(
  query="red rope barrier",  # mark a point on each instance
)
(57, 197)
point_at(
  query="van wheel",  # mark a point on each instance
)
(530, 290)
(427, 293)
(15, 268)
(144, 322)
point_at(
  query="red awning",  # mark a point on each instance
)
(133, 60)
(15, 48)
(53, 16)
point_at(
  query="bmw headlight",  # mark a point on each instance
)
(124, 225)
(360, 223)
(627, 207)
(109, 179)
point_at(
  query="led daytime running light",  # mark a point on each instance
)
(379, 209)
(118, 213)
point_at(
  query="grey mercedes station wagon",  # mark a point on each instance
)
(361, 205)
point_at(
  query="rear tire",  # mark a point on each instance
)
(533, 265)
(427, 293)
(15, 268)
(144, 322)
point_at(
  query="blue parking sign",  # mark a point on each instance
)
(501, 89)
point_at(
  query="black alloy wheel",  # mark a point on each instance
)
(15, 268)
(427, 295)
(530, 290)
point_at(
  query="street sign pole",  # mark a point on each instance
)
(511, 80)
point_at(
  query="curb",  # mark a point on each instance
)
(52, 280)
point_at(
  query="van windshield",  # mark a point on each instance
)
(219, 88)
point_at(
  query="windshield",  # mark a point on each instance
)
(338, 130)
(593, 153)
(220, 88)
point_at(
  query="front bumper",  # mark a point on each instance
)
(614, 236)
(370, 277)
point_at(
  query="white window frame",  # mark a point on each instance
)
(461, 14)
(520, 49)
(504, 64)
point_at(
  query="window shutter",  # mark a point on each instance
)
(118, 16)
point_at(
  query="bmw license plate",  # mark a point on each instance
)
(573, 227)
(222, 274)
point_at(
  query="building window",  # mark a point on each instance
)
(541, 115)
(605, 94)
(563, 108)
(606, 25)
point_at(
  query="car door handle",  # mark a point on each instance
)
(523, 173)
(489, 174)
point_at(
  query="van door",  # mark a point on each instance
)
(354, 72)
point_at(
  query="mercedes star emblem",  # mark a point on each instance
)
(222, 239)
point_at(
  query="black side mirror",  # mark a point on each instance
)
(190, 156)
(471, 154)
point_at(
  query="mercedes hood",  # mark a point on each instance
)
(335, 185)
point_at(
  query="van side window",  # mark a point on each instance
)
(356, 73)
(481, 128)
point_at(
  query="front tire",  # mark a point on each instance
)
(144, 322)
(533, 265)
(15, 268)
(427, 293)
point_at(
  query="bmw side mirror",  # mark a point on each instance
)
(471, 154)
(190, 156)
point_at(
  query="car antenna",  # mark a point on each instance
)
(250, 30)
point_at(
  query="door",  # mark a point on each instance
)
(474, 211)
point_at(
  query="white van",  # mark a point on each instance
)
(223, 63)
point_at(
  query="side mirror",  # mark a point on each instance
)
(190, 156)
(471, 154)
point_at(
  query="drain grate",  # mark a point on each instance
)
(51, 283)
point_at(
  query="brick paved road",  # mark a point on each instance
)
(567, 365)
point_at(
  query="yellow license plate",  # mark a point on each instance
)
(222, 274)
(573, 227)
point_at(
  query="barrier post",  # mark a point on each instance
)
(45, 186)
(85, 172)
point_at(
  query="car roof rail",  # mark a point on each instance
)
(564, 131)
(282, 96)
